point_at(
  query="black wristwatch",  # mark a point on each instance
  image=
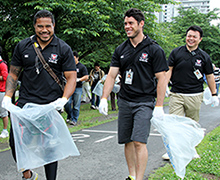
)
(214, 94)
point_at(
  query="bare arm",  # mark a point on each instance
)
(70, 84)
(211, 83)
(84, 78)
(161, 87)
(109, 82)
(169, 73)
(12, 79)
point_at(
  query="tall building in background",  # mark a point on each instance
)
(170, 10)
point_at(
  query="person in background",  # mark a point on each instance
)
(95, 75)
(3, 111)
(37, 85)
(140, 61)
(73, 105)
(187, 65)
(217, 77)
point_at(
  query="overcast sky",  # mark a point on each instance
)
(215, 4)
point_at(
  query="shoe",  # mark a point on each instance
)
(129, 178)
(73, 123)
(4, 134)
(97, 107)
(165, 157)
(68, 120)
(93, 107)
(113, 109)
(33, 177)
(83, 101)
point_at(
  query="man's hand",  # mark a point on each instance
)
(103, 106)
(158, 112)
(215, 101)
(6, 102)
(59, 103)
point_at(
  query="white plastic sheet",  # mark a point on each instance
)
(207, 96)
(180, 136)
(98, 89)
(41, 136)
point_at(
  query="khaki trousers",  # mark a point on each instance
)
(185, 105)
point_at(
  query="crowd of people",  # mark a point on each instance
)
(144, 75)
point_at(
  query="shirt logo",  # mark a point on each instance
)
(26, 56)
(53, 58)
(122, 56)
(198, 62)
(144, 57)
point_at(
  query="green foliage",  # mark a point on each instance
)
(94, 28)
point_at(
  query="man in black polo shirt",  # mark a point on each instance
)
(141, 61)
(37, 85)
(187, 64)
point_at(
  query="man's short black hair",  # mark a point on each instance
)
(75, 53)
(195, 28)
(43, 14)
(96, 64)
(136, 14)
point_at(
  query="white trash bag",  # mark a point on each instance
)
(207, 96)
(180, 136)
(41, 136)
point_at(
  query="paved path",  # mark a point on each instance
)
(101, 157)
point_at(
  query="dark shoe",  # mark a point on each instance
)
(83, 101)
(113, 109)
(93, 107)
(129, 178)
(73, 123)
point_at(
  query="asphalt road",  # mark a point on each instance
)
(101, 157)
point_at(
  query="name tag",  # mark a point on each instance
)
(129, 77)
(198, 74)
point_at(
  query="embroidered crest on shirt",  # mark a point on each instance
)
(198, 62)
(53, 58)
(144, 57)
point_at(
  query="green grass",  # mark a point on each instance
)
(207, 167)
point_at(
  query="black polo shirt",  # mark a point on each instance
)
(41, 88)
(184, 64)
(145, 60)
(81, 71)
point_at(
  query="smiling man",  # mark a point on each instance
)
(37, 85)
(140, 61)
(187, 65)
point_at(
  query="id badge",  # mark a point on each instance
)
(129, 77)
(198, 74)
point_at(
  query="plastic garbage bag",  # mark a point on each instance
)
(180, 137)
(98, 88)
(207, 96)
(41, 136)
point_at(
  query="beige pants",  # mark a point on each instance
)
(185, 105)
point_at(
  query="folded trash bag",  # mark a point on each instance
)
(41, 136)
(207, 96)
(180, 136)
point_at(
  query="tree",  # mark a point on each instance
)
(87, 26)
